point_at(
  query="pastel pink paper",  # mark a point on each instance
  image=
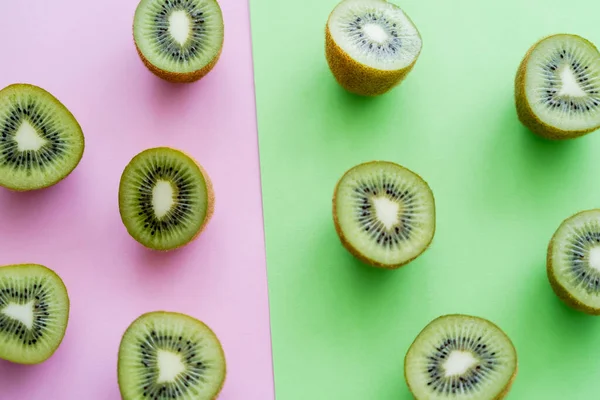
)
(83, 53)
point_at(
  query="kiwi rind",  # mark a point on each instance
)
(60, 339)
(354, 251)
(359, 78)
(181, 315)
(175, 77)
(561, 292)
(181, 77)
(511, 380)
(76, 125)
(210, 199)
(524, 110)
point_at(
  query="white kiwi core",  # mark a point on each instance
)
(28, 138)
(162, 198)
(20, 312)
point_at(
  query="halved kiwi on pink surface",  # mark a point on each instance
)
(34, 312)
(179, 40)
(166, 198)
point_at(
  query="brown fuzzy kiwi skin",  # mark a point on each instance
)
(561, 292)
(358, 78)
(222, 351)
(210, 200)
(176, 77)
(525, 112)
(510, 382)
(355, 252)
(76, 123)
(68, 305)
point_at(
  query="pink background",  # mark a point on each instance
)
(83, 53)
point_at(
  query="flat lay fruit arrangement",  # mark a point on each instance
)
(383, 214)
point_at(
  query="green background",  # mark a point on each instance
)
(341, 329)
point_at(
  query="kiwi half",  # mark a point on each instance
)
(34, 312)
(165, 198)
(167, 355)
(41, 142)
(384, 213)
(370, 46)
(573, 261)
(179, 40)
(557, 87)
(460, 357)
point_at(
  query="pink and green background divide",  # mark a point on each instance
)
(299, 318)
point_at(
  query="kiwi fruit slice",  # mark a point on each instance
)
(370, 46)
(384, 213)
(41, 142)
(573, 261)
(557, 87)
(179, 40)
(167, 355)
(165, 198)
(34, 311)
(460, 357)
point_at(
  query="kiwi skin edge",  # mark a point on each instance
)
(353, 250)
(176, 77)
(187, 316)
(526, 114)
(68, 305)
(561, 292)
(358, 78)
(510, 382)
(210, 199)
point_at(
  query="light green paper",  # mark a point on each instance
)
(341, 329)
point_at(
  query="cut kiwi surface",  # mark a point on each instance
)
(179, 40)
(165, 198)
(167, 355)
(384, 213)
(460, 357)
(34, 312)
(557, 87)
(370, 46)
(573, 261)
(41, 142)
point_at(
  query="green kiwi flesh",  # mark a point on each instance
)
(384, 213)
(179, 40)
(557, 87)
(34, 312)
(165, 198)
(41, 142)
(460, 357)
(167, 355)
(573, 261)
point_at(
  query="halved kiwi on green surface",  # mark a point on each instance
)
(167, 355)
(384, 213)
(573, 261)
(460, 357)
(34, 312)
(41, 142)
(370, 46)
(557, 87)
(165, 198)
(179, 40)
